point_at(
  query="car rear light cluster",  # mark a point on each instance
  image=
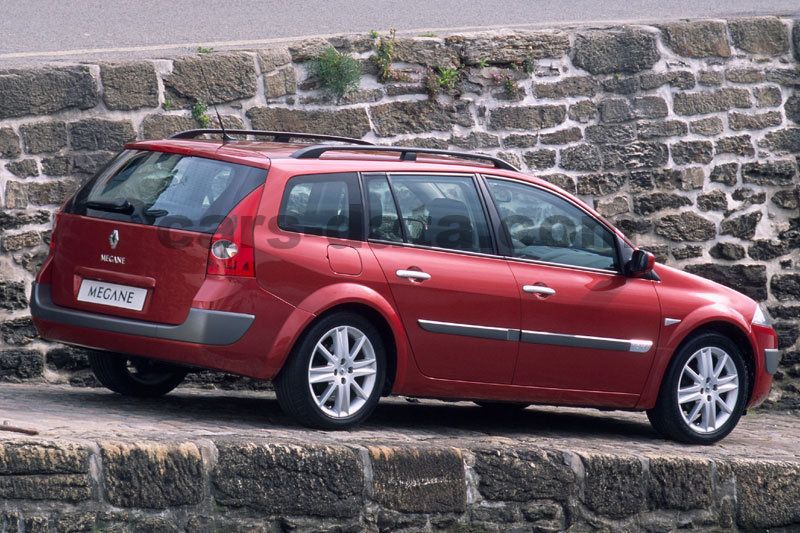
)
(53, 234)
(232, 251)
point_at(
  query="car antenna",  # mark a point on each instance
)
(225, 137)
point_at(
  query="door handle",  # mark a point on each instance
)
(538, 289)
(415, 275)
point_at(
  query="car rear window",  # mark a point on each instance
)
(167, 190)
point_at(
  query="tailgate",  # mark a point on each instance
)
(170, 265)
(134, 241)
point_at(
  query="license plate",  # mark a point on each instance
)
(111, 294)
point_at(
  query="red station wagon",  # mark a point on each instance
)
(347, 272)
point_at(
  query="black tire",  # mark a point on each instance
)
(294, 392)
(501, 407)
(667, 417)
(135, 376)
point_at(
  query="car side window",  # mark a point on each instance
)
(442, 212)
(324, 204)
(384, 222)
(545, 227)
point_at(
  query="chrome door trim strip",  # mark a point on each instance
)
(435, 249)
(493, 256)
(562, 265)
(469, 330)
(536, 337)
(585, 341)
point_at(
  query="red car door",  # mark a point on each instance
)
(458, 301)
(586, 330)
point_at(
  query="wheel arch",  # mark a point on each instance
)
(381, 324)
(704, 320)
(736, 334)
(368, 303)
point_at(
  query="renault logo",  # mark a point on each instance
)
(113, 239)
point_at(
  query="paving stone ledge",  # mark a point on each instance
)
(236, 484)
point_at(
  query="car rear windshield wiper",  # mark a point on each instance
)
(156, 213)
(117, 206)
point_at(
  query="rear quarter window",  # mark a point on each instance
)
(167, 190)
(324, 204)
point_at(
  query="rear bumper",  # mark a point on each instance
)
(202, 326)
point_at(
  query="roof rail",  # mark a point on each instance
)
(407, 153)
(280, 136)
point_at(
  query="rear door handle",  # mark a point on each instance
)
(416, 275)
(538, 289)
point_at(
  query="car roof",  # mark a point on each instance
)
(266, 155)
(263, 154)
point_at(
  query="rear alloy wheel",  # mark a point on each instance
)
(135, 376)
(704, 391)
(335, 376)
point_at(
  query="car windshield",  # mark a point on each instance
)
(169, 190)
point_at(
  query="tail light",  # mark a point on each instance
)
(53, 233)
(232, 251)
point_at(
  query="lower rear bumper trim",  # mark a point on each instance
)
(202, 326)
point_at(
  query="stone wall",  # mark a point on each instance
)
(279, 486)
(685, 135)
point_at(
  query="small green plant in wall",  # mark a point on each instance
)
(441, 80)
(200, 114)
(513, 91)
(529, 65)
(338, 73)
(384, 57)
(204, 50)
(447, 78)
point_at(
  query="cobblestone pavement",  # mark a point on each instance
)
(63, 412)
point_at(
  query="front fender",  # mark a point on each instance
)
(673, 336)
(330, 297)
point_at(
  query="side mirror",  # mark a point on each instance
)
(641, 264)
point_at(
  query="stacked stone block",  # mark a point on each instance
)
(246, 485)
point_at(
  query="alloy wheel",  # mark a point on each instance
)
(708, 389)
(342, 371)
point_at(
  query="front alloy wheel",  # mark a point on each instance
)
(708, 389)
(335, 375)
(704, 391)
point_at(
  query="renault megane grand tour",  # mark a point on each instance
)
(346, 272)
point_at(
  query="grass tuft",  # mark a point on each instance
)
(338, 73)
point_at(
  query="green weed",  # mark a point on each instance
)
(338, 73)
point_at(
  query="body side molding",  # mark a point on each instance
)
(584, 341)
(537, 337)
(470, 330)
